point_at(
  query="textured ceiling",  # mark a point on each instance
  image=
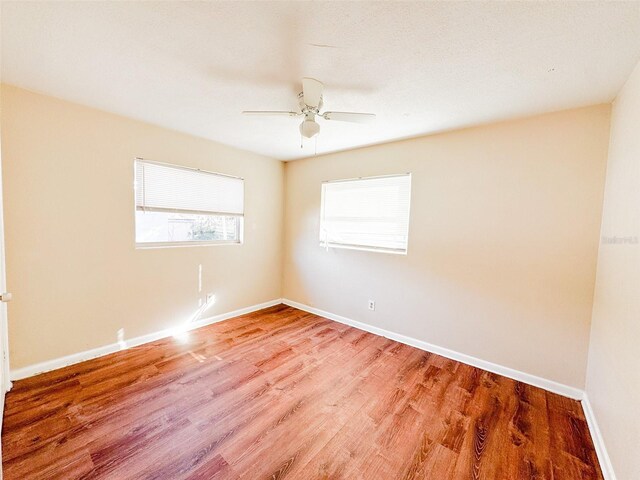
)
(421, 67)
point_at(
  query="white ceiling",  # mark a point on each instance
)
(422, 67)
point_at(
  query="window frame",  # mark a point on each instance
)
(186, 243)
(364, 248)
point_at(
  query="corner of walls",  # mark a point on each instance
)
(597, 259)
(598, 440)
(283, 243)
(612, 385)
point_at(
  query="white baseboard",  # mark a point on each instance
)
(56, 363)
(598, 441)
(550, 385)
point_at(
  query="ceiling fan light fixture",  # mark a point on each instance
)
(310, 101)
(309, 128)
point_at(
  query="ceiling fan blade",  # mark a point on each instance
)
(270, 112)
(311, 91)
(350, 117)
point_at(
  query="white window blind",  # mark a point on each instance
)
(167, 188)
(366, 213)
(183, 206)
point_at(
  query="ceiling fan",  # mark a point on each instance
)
(310, 101)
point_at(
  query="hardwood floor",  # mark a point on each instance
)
(283, 394)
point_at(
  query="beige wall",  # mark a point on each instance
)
(71, 263)
(613, 379)
(503, 241)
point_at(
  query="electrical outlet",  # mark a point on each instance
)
(372, 305)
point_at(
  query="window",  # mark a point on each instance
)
(184, 206)
(366, 213)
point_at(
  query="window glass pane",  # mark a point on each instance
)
(155, 227)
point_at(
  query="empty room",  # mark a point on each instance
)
(320, 240)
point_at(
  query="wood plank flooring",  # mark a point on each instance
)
(283, 394)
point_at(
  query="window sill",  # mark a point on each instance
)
(363, 248)
(153, 245)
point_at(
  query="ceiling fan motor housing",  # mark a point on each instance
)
(304, 108)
